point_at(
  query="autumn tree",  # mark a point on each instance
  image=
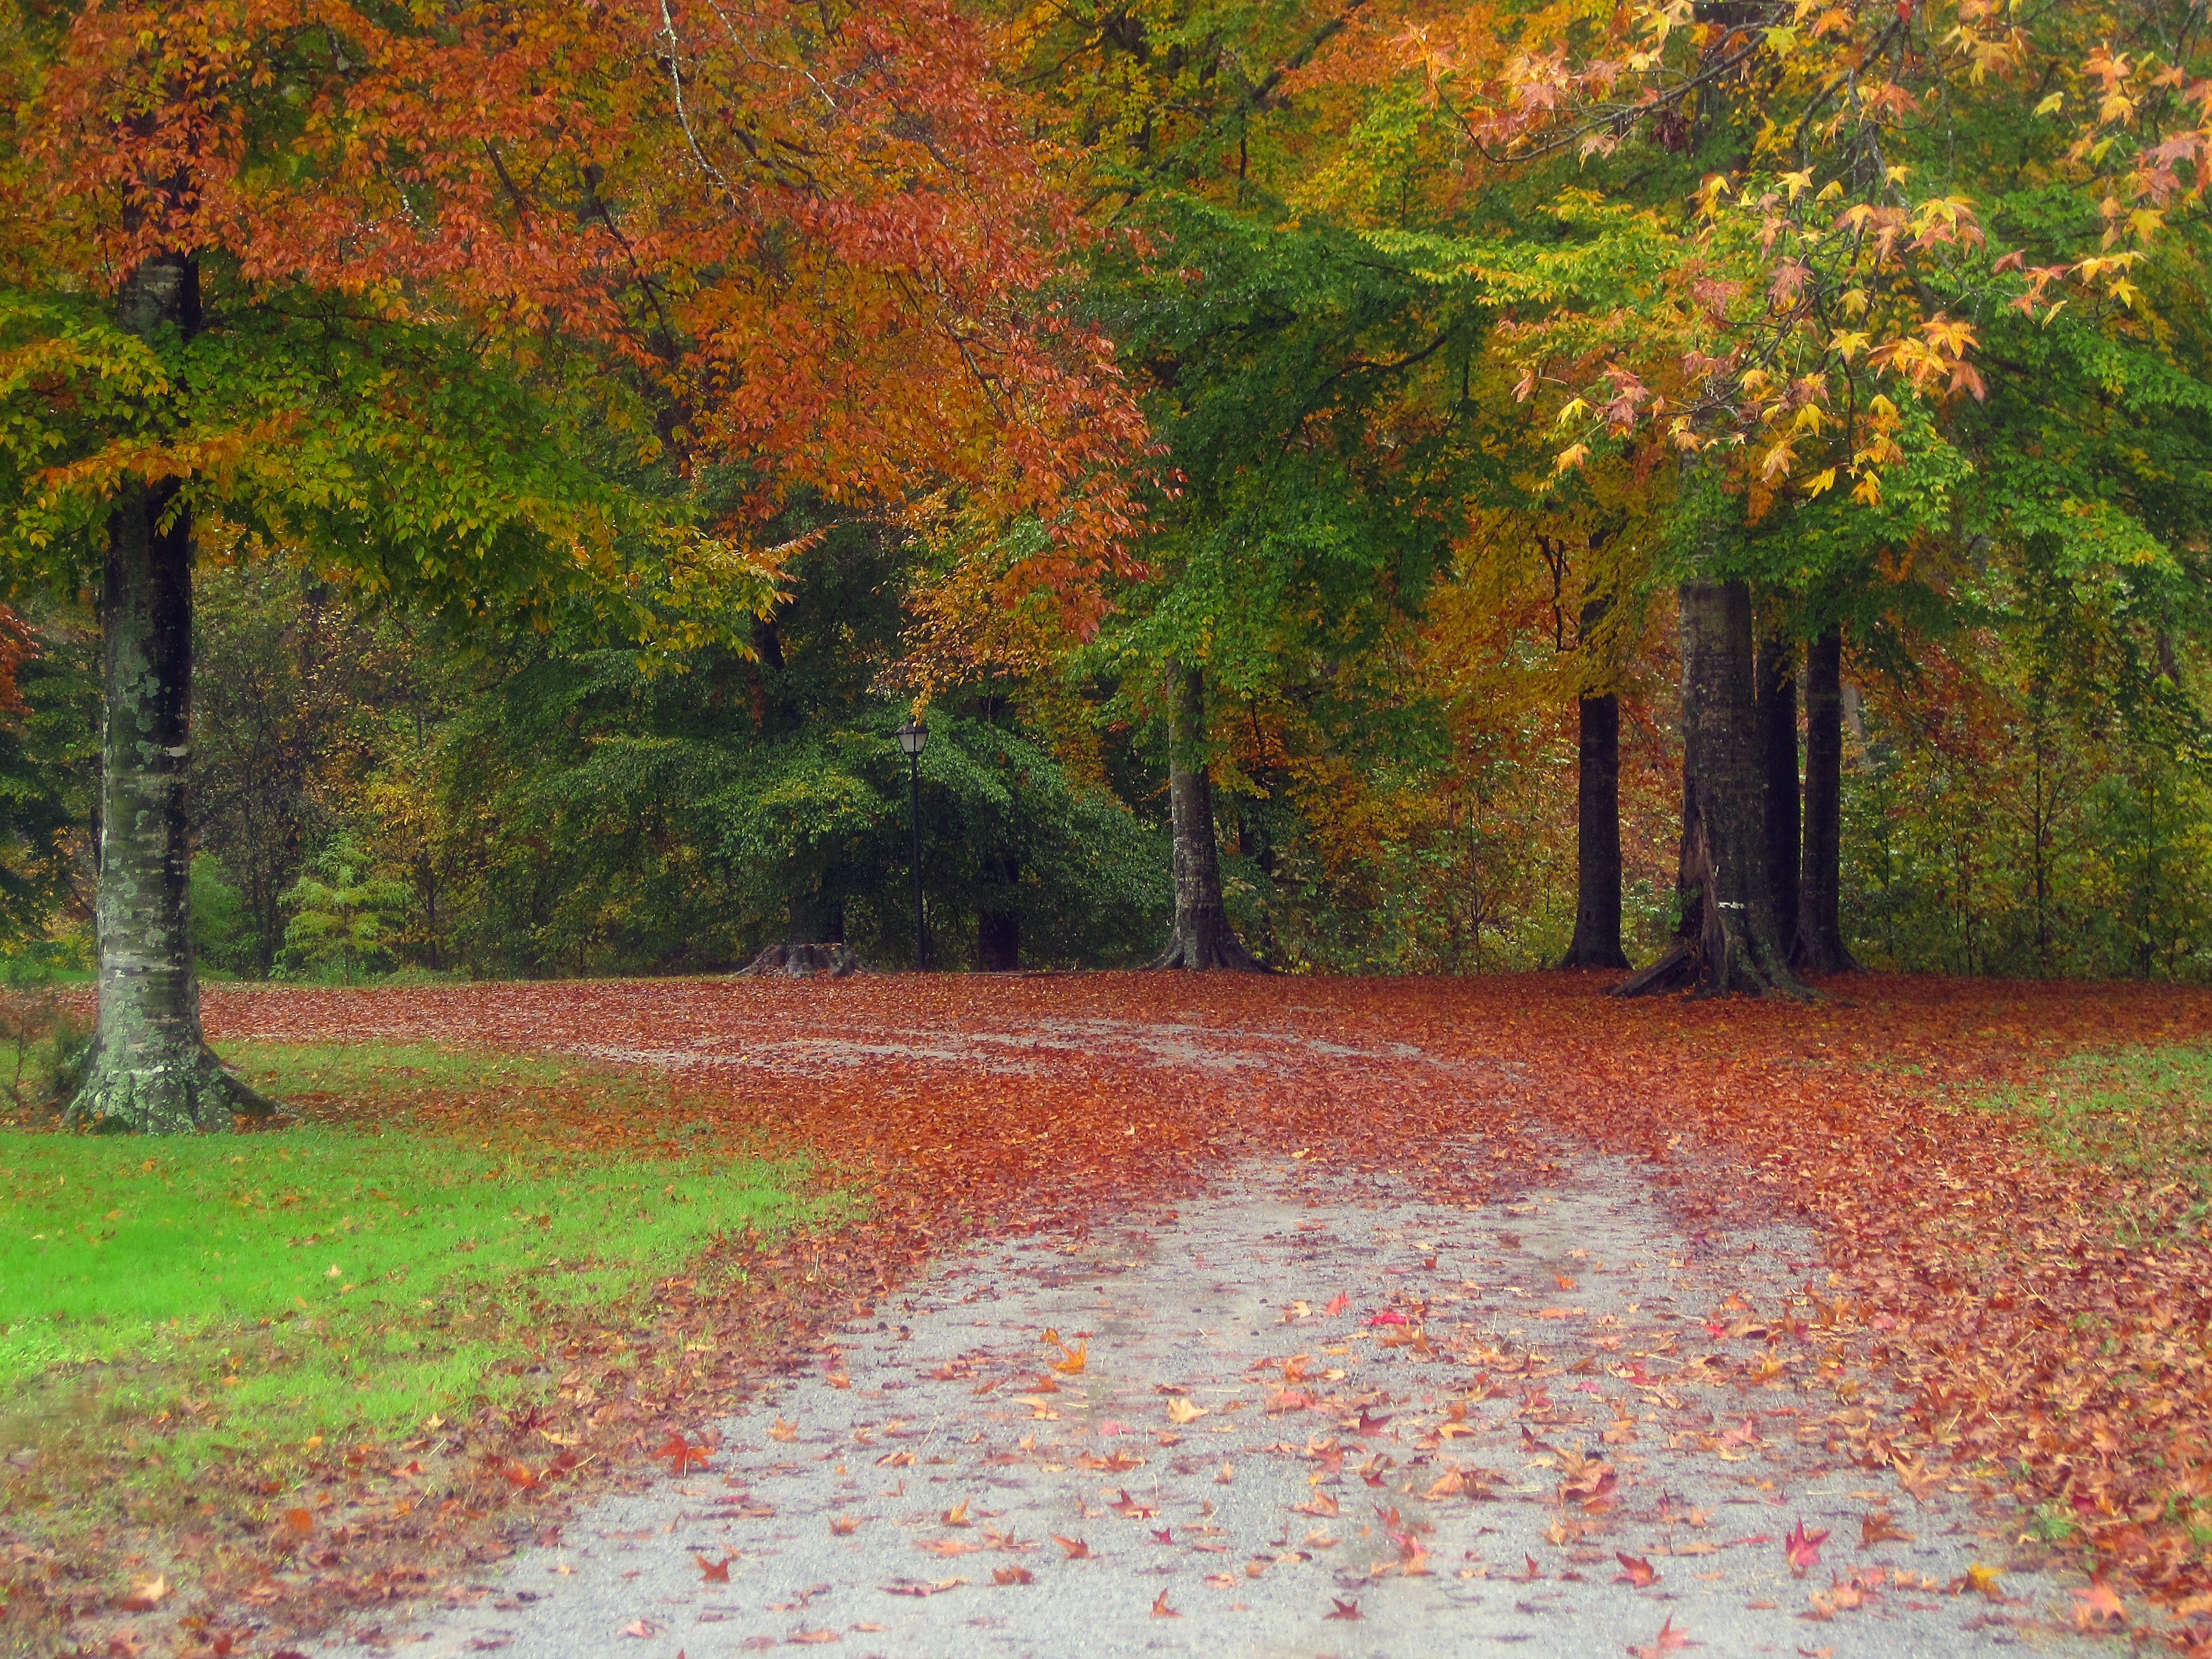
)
(265, 269)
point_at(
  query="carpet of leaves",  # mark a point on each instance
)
(2047, 1325)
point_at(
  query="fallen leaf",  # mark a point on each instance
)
(1982, 1580)
(2097, 1608)
(1669, 1640)
(1076, 1548)
(1012, 1576)
(681, 1455)
(1342, 1609)
(1803, 1547)
(146, 1594)
(922, 1586)
(714, 1572)
(639, 1628)
(843, 1525)
(1879, 1529)
(1634, 1570)
(783, 1429)
(1182, 1410)
(958, 1515)
(1161, 1609)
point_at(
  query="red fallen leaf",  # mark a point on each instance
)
(1371, 1425)
(2097, 1608)
(1803, 1547)
(922, 1586)
(1338, 1304)
(1163, 1534)
(714, 1572)
(1012, 1576)
(681, 1455)
(1530, 1576)
(1634, 1570)
(1342, 1609)
(641, 1628)
(1389, 1316)
(1669, 1640)
(1076, 1548)
(1134, 1508)
(1321, 1504)
(1161, 1609)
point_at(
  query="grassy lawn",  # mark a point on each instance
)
(353, 1276)
(2144, 1114)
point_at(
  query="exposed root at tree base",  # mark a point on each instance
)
(1686, 967)
(1209, 951)
(195, 1094)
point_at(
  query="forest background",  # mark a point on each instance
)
(1377, 276)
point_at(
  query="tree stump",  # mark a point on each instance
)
(838, 960)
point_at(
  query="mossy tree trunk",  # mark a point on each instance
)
(150, 1068)
(1203, 938)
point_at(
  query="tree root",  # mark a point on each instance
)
(839, 961)
(196, 1093)
(1204, 950)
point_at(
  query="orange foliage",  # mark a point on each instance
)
(821, 233)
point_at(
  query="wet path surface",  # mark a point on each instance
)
(1304, 1416)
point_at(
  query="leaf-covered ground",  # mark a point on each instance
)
(2046, 1314)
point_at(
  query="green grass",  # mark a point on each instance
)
(2144, 1114)
(265, 1288)
(2145, 1111)
(286, 1070)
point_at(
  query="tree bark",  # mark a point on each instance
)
(1726, 940)
(998, 924)
(1777, 758)
(1203, 939)
(150, 1069)
(1820, 947)
(1596, 943)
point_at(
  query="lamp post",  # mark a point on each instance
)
(914, 738)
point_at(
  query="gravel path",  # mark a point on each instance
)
(1312, 1417)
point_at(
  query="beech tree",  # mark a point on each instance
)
(267, 276)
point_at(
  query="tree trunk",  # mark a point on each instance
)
(1596, 943)
(1820, 947)
(997, 923)
(150, 1069)
(1726, 940)
(1202, 939)
(1777, 758)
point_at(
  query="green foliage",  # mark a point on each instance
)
(343, 915)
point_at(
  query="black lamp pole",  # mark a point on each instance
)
(914, 738)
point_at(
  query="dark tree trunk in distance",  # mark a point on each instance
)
(1727, 940)
(997, 923)
(1596, 943)
(1820, 946)
(1777, 756)
(150, 1069)
(1202, 939)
